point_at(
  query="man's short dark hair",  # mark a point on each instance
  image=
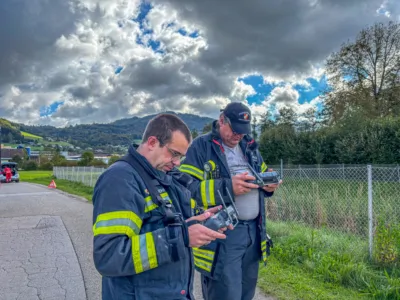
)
(163, 126)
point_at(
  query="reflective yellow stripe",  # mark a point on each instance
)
(117, 222)
(212, 165)
(193, 203)
(137, 262)
(211, 192)
(150, 205)
(203, 194)
(144, 254)
(115, 230)
(192, 171)
(202, 264)
(264, 250)
(263, 245)
(207, 193)
(264, 256)
(165, 196)
(207, 254)
(151, 250)
(264, 167)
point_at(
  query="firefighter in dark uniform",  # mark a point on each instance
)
(143, 225)
(223, 160)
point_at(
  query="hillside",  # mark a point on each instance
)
(10, 132)
(121, 132)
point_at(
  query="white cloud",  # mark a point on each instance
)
(68, 50)
(283, 96)
(241, 91)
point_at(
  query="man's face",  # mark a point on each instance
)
(228, 136)
(170, 155)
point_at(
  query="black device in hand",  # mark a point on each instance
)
(225, 217)
(264, 178)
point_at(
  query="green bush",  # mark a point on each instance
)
(386, 252)
(46, 166)
(30, 166)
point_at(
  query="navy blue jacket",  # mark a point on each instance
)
(132, 246)
(208, 149)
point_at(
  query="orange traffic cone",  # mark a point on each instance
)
(52, 184)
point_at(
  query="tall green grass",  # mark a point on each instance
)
(321, 227)
(337, 258)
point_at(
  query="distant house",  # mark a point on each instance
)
(8, 153)
(105, 158)
(71, 156)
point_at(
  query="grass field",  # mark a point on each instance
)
(30, 136)
(40, 148)
(64, 144)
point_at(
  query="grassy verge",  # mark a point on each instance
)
(311, 263)
(290, 282)
(45, 177)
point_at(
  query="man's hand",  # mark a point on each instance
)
(240, 186)
(214, 210)
(200, 235)
(271, 187)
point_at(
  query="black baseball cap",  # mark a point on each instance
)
(239, 116)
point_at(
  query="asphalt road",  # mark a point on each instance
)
(46, 245)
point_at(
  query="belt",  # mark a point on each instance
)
(245, 222)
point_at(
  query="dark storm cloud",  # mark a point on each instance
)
(27, 33)
(274, 37)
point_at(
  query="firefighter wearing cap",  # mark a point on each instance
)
(219, 161)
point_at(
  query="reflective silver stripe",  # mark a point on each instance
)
(118, 222)
(143, 252)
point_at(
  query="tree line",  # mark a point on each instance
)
(360, 119)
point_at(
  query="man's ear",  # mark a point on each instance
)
(221, 120)
(152, 142)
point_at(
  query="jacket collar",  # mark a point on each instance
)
(246, 142)
(161, 176)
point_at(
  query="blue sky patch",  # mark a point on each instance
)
(143, 12)
(317, 86)
(193, 35)
(264, 89)
(118, 70)
(49, 110)
(261, 88)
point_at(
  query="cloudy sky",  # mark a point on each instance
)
(82, 61)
